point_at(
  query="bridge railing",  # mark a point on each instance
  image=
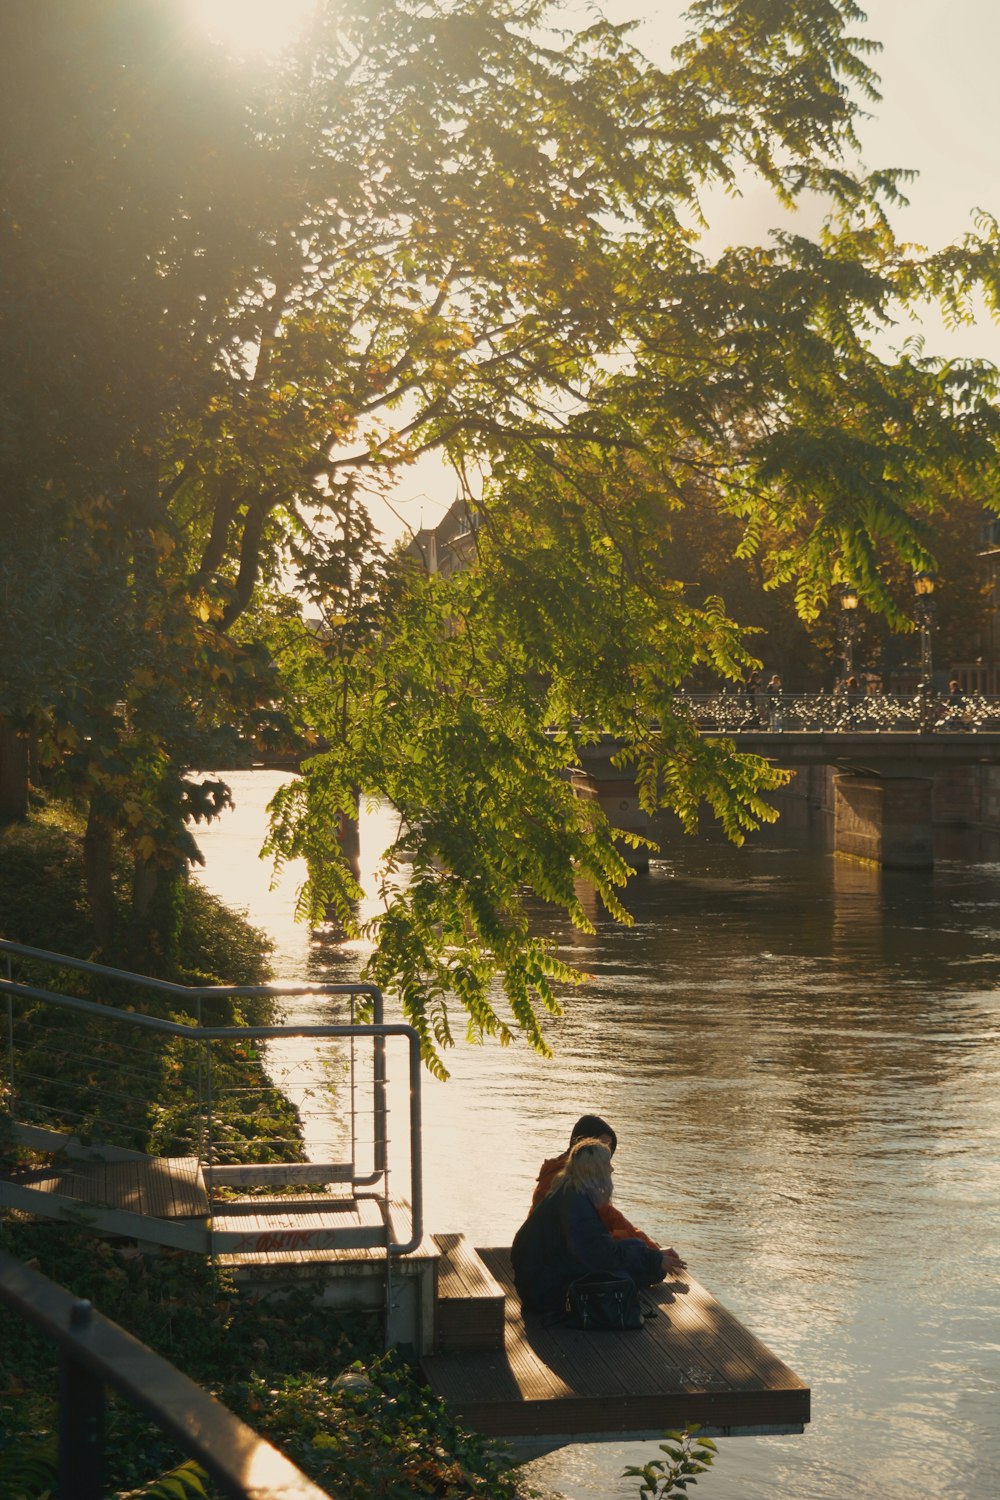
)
(742, 712)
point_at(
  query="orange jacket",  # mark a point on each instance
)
(614, 1221)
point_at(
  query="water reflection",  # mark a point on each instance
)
(800, 1057)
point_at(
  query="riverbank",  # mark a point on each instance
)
(799, 1057)
(313, 1380)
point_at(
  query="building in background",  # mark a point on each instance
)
(982, 673)
(450, 545)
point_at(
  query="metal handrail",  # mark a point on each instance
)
(266, 1033)
(197, 993)
(244, 1465)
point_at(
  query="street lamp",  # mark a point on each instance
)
(848, 625)
(923, 613)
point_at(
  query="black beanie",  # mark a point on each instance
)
(588, 1127)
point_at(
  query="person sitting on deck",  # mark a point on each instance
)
(564, 1237)
(614, 1220)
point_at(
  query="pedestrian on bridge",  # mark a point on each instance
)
(750, 690)
(956, 705)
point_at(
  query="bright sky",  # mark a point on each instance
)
(253, 28)
(940, 114)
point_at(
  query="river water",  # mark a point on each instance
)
(801, 1058)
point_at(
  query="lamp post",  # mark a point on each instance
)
(923, 613)
(848, 625)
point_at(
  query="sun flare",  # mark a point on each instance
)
(258, 27)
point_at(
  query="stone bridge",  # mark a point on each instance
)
(885, 753)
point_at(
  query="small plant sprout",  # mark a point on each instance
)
(668, 1478)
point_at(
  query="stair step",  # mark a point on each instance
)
(157, 1187)
(470, 1301)
(285, 1203)
(276, 1174)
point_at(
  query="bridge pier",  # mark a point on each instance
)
(884, 820)
(619, 802)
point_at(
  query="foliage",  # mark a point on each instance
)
(704, 552)
(87, 1076)
(43, 904)
(177, 1484)
(42, 882)
(278, 1366)
(383, 1435)
(29, 1469)
(442, 226)
(28, 1465)
(687, 1456)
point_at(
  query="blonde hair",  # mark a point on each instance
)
(588, 1170)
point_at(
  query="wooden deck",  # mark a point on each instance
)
(694, 1362)
(157, 1187)
(333, 1246)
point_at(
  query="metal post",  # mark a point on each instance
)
(209, 1146)
(354, 1099)
(380, 1106)
(81, 1420)
(848, 625)
(416, 1129)
(198, 1085)
(923, 584)
(10, 1047)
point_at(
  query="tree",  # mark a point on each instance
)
(130, 184)
(446, 226)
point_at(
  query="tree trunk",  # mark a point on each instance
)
(98, 842)
(157, 909)
(13, 775)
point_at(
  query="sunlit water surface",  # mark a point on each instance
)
(802, 1061)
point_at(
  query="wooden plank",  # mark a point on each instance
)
(717, 1356)
(693, 1362)
(265, 1241)
(266, 1174)
(470, 1301)
(737, 1337)
(180, 1234)
(292, 1204)
(463, 1272)
(287, 1238)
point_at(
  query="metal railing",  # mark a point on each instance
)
(741, 712)
(64, 1074)
(94, 1353)
(192, 1000)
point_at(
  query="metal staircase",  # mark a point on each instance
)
(333, 1220)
